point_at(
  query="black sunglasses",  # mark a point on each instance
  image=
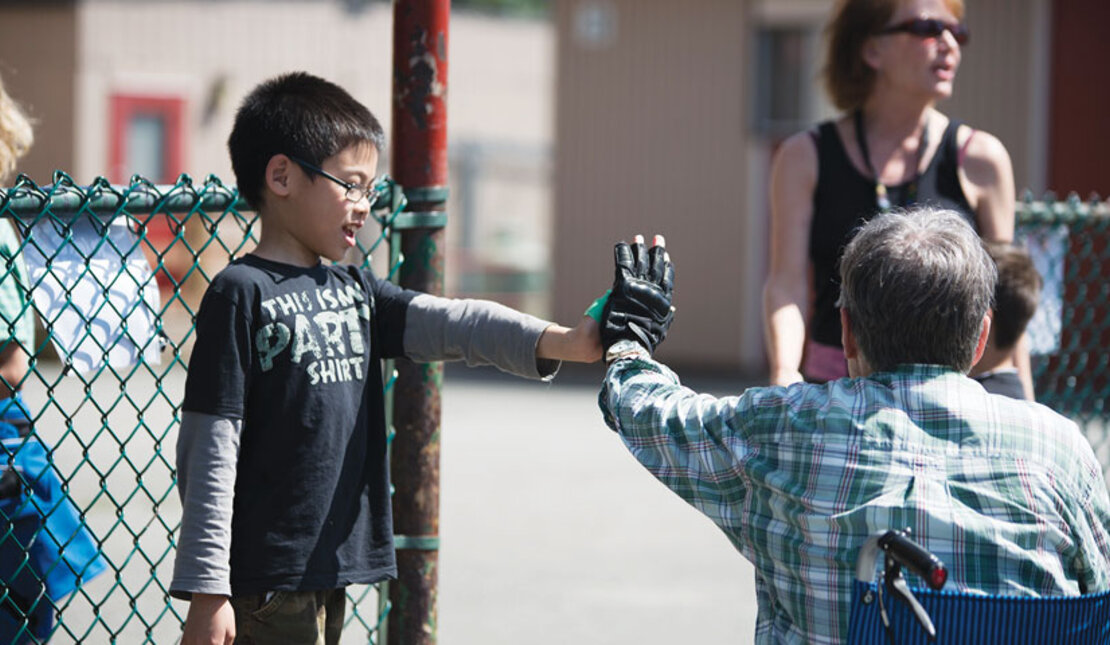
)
(354, 192)
(930, 28)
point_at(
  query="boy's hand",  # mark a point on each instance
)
(211, 621)
(639, 307)
(586, 340)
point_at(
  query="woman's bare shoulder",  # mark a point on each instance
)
(797, 154)
(981, 147)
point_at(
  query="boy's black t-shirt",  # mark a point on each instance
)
(295, 353)
(1004, 382)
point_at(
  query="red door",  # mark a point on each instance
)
(148, 139)
(1079, 131)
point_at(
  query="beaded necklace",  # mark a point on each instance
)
(881, 198)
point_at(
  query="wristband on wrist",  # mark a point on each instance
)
(625, 349)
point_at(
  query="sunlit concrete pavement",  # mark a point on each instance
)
(552, 533)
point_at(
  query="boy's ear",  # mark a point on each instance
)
(278, 175)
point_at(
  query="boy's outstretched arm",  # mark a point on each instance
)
(482, 332)
(578, 344)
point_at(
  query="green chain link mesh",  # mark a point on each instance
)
(1070, 241)
(110, 432)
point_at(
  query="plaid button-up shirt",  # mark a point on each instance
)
(1008, 493)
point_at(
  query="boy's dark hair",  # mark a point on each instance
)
(1015, 295)
(299, 115)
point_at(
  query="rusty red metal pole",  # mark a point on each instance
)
(419, 165)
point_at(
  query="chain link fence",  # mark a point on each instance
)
(115, 275)
(1070, 333)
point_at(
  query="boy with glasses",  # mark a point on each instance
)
(282, 465)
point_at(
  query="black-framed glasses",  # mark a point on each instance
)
(355, 192)
(930, 28)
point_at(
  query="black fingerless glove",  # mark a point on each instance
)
(639, 307)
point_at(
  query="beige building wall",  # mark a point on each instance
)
(211, 54)
(65, 61)
(38, 45)
(1003, 84)
(650, 131)
(653, 109)
(653, 130)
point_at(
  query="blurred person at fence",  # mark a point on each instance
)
(17, 328)
(46, 551)
(1015, 301)
(1007, 493)
(887, 64)
(282, 464)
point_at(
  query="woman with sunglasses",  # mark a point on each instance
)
(888, 63)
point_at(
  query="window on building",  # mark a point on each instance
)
(784, 79)
(146, 144)
(147, 138)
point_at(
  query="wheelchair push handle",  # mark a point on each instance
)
(898, 546)
(900, 551)
(914, 557)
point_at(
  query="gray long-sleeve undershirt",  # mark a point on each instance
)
(207, 454)
(477, 332)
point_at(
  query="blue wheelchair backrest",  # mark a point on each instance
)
(881, 614)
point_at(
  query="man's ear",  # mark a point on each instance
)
(857, 365)
(278, 175)
(847, 338)
(984, 336)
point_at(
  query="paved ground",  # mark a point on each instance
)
(552, 533)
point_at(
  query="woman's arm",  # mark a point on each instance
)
(785, 293)
(987, 177)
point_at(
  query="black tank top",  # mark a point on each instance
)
(844, 199)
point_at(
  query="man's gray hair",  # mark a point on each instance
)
(916, 285)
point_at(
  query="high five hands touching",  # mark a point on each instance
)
(639, 306)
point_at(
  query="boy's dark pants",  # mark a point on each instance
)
(290, 617)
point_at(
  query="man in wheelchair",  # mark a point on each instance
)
(1007, 493)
